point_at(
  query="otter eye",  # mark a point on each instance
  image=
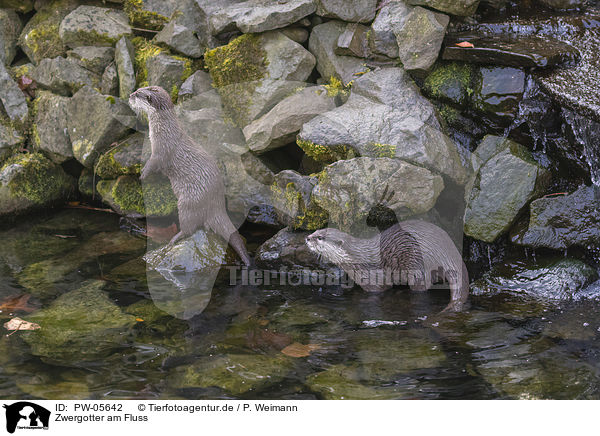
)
(319, 238)
(148, 98)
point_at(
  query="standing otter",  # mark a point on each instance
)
(194, 174)
(413, 248)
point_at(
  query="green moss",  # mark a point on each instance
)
(156, 198)
(307, 218)
(144, 50)
(21, 70)
(140, 17)
(111, 99)
(335, 88)
(375, 149)
(38, 180)
(93, 38)
(450, 115)
(451, 82)
(323, 153)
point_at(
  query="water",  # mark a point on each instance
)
(586, 133)
(391, 345)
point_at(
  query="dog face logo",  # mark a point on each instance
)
(26, 415)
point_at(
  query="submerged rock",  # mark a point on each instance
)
(491, 208)
(92, 25)
(549, 279)
(12, 98)
(80, 326)
(563, 222)
(31, 181)
(10, 29)
(64, 76)
(50, 127)
(452, 83)
(498, 91)
(355, 11)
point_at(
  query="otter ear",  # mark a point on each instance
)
(339, 242)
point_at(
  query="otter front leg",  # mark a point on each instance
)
(152, 166)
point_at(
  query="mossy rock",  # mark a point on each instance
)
(39, 38)
(22, 6)
(10, 138)
(31, 181)
(86, 183)
(236, 374)
(451, 82)
(93, 26)
(124, 159)
(128, 197)
(79, 326)
(149, 14)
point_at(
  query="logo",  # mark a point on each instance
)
(26, 415)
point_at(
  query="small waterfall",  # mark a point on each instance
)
(587, 133)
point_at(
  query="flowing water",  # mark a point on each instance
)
(391, 345)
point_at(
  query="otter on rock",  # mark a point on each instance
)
(194, 175)
(414, 248)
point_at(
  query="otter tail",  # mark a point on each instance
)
(228, 232)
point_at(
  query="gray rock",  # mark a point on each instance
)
(491, 208)
(353, 42)
(124, 58)
(109, 83)
(12, 98)
(563, 222)
(549, 279)
(181, 39)
(390, 17)
(286, 59)
(166, 71)
(124, 159)
(349, 189)
(296, 34)
(112, 120)
(50, 127)
(355, 11)
(322, 44)
(463, 8)
(93, 58)
(255, 16)
(563, 4)
(9, 139)
(281, 124)
(31, 181)
(498, 91)
(22, 6)
(420, 38)
(385, 116)
(291, 195)
(150, 14)
(10, 29)
(92, 25)
(63, 76)
(198, 83)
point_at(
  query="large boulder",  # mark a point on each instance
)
(492, 208)
(356, 11)
(50, 127)
(124, 59)
(92, 25)
(31, 181)
(112, 120)
(254, 72)
(12, 98)
(385, 116)
(563, 222)
(280, 125)
(10, 29)
(64, 76)
(420, 38)
(349, 189)
(323, 43)
(463, 8)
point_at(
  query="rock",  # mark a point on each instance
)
(124, 58)
(563, 222)
(254, 72)
(112, 120)
(236, 374)
(349, 189)
(563, 4)
(39, 38)
(92, 25)
(80, 326)
(521, 51)
(22, 6)
(129, 197)
(31, 181)
(87, 183)
(10, 29)
(109, 84)
(95, 59)
(498, 91)
(463, 8)
(385, 116)
(181, 39)
(255, 16)
(12, 98)
(420, 38)
(149, 14)
(197, 84)
(9, 139)
(391, 16)
(491, 209)
(291, 195)
(550, 279)
(296, 34)
(50, 127)
(322, 44)
(355, 11)
(452, 83)
(122, 160)
(168, 72)
(280, 125)
(63, 76)
(354, 41)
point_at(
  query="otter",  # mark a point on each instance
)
(194, 175)
(417, 249)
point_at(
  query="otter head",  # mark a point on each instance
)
(150, 100)
(330, 244)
